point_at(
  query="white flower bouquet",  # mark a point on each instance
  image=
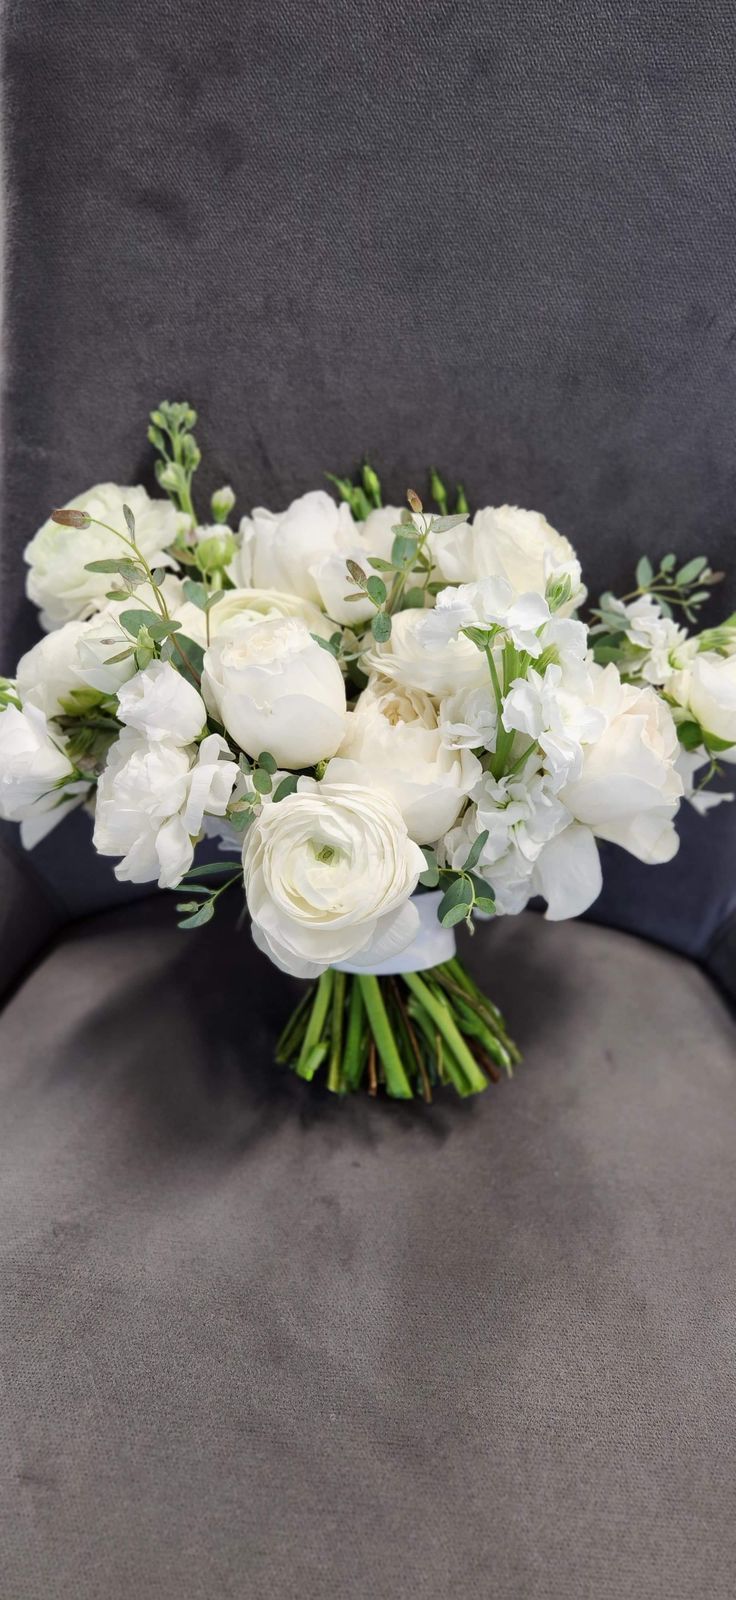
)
(392, 721)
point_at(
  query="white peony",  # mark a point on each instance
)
(159, 703)
(628, 789)
(151, 800)
(57, 556)
(707, 689)
(506, 542)
(393, 742)
(274, 688)
(329, 872)
(37, 786)
(415, 658)
(238, 606)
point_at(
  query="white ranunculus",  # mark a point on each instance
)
(37, 785)
(393, 742)
(707, 688)
(238, 606)
(280, 549)
(329, 872)
(159, 703)
(628, 789)
(151, 800)
(274, 688)
(57, 556)
(506, 542)
(414, 658)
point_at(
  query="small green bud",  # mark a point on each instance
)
(372, 484)
(559, 591)
(438, 491)
(222, 503)
(216, 551)
(461, 503)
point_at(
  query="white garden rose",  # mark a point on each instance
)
(707, 689)
(37, 785)
(328, 876)
(628, 789)
(506, 542)
(160, 703)
(238, 606)
(280, 550)
(393, 742)
(74, 656)
(274, 688)
(57, 556)
(151, 801)
(414, 658)
(338, 595)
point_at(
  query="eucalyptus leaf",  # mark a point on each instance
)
(287, 786)
(691, 570)
(459, 897)
(130, 521)
(381, 627)
(357, 574)
(204, 914)
(124, 565)
(376, 590)
(476, 850)
(444, 524)
(431, 877)
(195, 593)
(644, 572)
(262, 781)
(404, 549)
(266, 761)
(209, 869)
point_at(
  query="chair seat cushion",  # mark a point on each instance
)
(257, 1341)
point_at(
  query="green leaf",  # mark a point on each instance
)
(431, 877)
(209, 869)
(357, 574)
(444, 524)
(123, 565)
(413, 600)
(404, 549)
(376, 590)
(475, 851)
(378, 563)
(130, 521)
(381, 627)
(668, 562)
(644, 572)
(203, 914)
(690, 735)
(328, 644)
(266, 761)
(483, 903)
(713, 743)
(195, 593)
(195, 658)
(157, 627)
(455, 902)
(288, 785)
(262, 781)
(111, 661)
(691, 570)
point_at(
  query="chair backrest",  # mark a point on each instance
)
(495, 237)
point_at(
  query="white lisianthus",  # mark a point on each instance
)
(393, 742)
(707, 689)
(274, 688)
(159, 703)
(414, 658)
(329, 872)
(237, 606)
(279, 550)
(37, 782)
(57, 556)
(506, 542)
(151, 800)
(490, 603)
(628, 789)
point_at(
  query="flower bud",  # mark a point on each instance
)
(69, 518)
(216, 551)
(413, 499)
(222, 503)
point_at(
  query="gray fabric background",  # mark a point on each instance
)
(261, 1344)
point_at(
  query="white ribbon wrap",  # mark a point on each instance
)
(431, 945)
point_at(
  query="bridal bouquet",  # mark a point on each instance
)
(392, 721)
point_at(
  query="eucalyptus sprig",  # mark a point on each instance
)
(464, 891)
(684, 588)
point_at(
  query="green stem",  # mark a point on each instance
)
(354, 1059)
(314, 1047)
(397, 1083)
(439, 1012)
(334, 1075)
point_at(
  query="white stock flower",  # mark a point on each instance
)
(628, 789)
(159, 703)
(707, 689)
(274, 688)
(507, 542)
(57, 556)
(557, 718)
(468, 719)
(329, 872)
(658, 640)
(414, 658)
(392, 742)
(37, 785)
(151, 800)
(689, 764)
(280, 549)
(489, 603)
(238, 606)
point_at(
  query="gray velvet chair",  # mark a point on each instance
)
(253, 1341)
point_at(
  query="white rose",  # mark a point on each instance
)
(393, 742)
(151, 800)
(248, 605)
(413, 657)
(161, 704)
(628, 789)
(707, 688)
(57, 556)
(506, 542)
(274, 688)
(328, 876)
(36, 778)
(279, 550)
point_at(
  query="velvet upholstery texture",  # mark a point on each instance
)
(257, 1342)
